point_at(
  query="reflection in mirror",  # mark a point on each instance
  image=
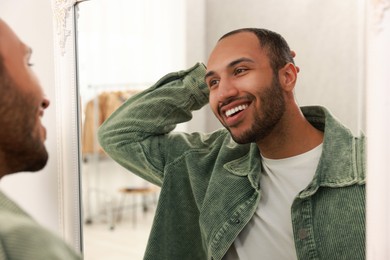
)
(125, 46)
(122, 47)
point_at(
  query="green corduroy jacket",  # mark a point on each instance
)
(210, 184)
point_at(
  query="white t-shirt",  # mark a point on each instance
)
(269, 233)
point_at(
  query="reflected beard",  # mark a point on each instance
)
(20, 140)
(272, 109)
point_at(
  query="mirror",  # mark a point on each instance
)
(124, 47)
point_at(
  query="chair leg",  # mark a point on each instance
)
(120, 208)
(134, 210)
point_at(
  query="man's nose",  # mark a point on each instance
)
(226, 90)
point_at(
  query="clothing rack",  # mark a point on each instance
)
(98, 89)
(96, 156)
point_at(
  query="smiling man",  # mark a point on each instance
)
(279, 182)
(22, 137)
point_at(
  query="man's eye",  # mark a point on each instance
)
(213, 82)
(239, 70)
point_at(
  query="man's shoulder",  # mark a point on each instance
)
(22, 237)
(15, 220)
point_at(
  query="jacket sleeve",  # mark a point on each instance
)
(137, 134)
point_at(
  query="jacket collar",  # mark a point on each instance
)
(247, 165)
(341, 162)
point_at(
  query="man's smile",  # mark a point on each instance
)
(233, 112)
(236, 109)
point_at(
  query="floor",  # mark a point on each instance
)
(126, 241)
(102, 179)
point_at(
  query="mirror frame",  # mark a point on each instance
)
(68, 149)
(377, 93)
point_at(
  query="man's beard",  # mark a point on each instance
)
(20, 143)
(272, 109)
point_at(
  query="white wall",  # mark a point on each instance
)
(36, 192)
(126, 44)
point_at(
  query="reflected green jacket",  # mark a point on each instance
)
(210, 184)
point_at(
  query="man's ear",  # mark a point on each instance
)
(288, 76)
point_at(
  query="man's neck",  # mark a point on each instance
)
(294, 135)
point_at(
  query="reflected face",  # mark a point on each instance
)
(245, 94)
(22, 104)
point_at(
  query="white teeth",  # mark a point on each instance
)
(235, 110)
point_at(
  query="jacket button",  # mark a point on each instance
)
(235, 220)
(303, 234)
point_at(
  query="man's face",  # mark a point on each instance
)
(22, 104)
(245, 95)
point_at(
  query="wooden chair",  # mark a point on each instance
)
(147, 194)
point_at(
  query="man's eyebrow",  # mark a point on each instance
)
(231, 64)
(243, 59)
(208, 74)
